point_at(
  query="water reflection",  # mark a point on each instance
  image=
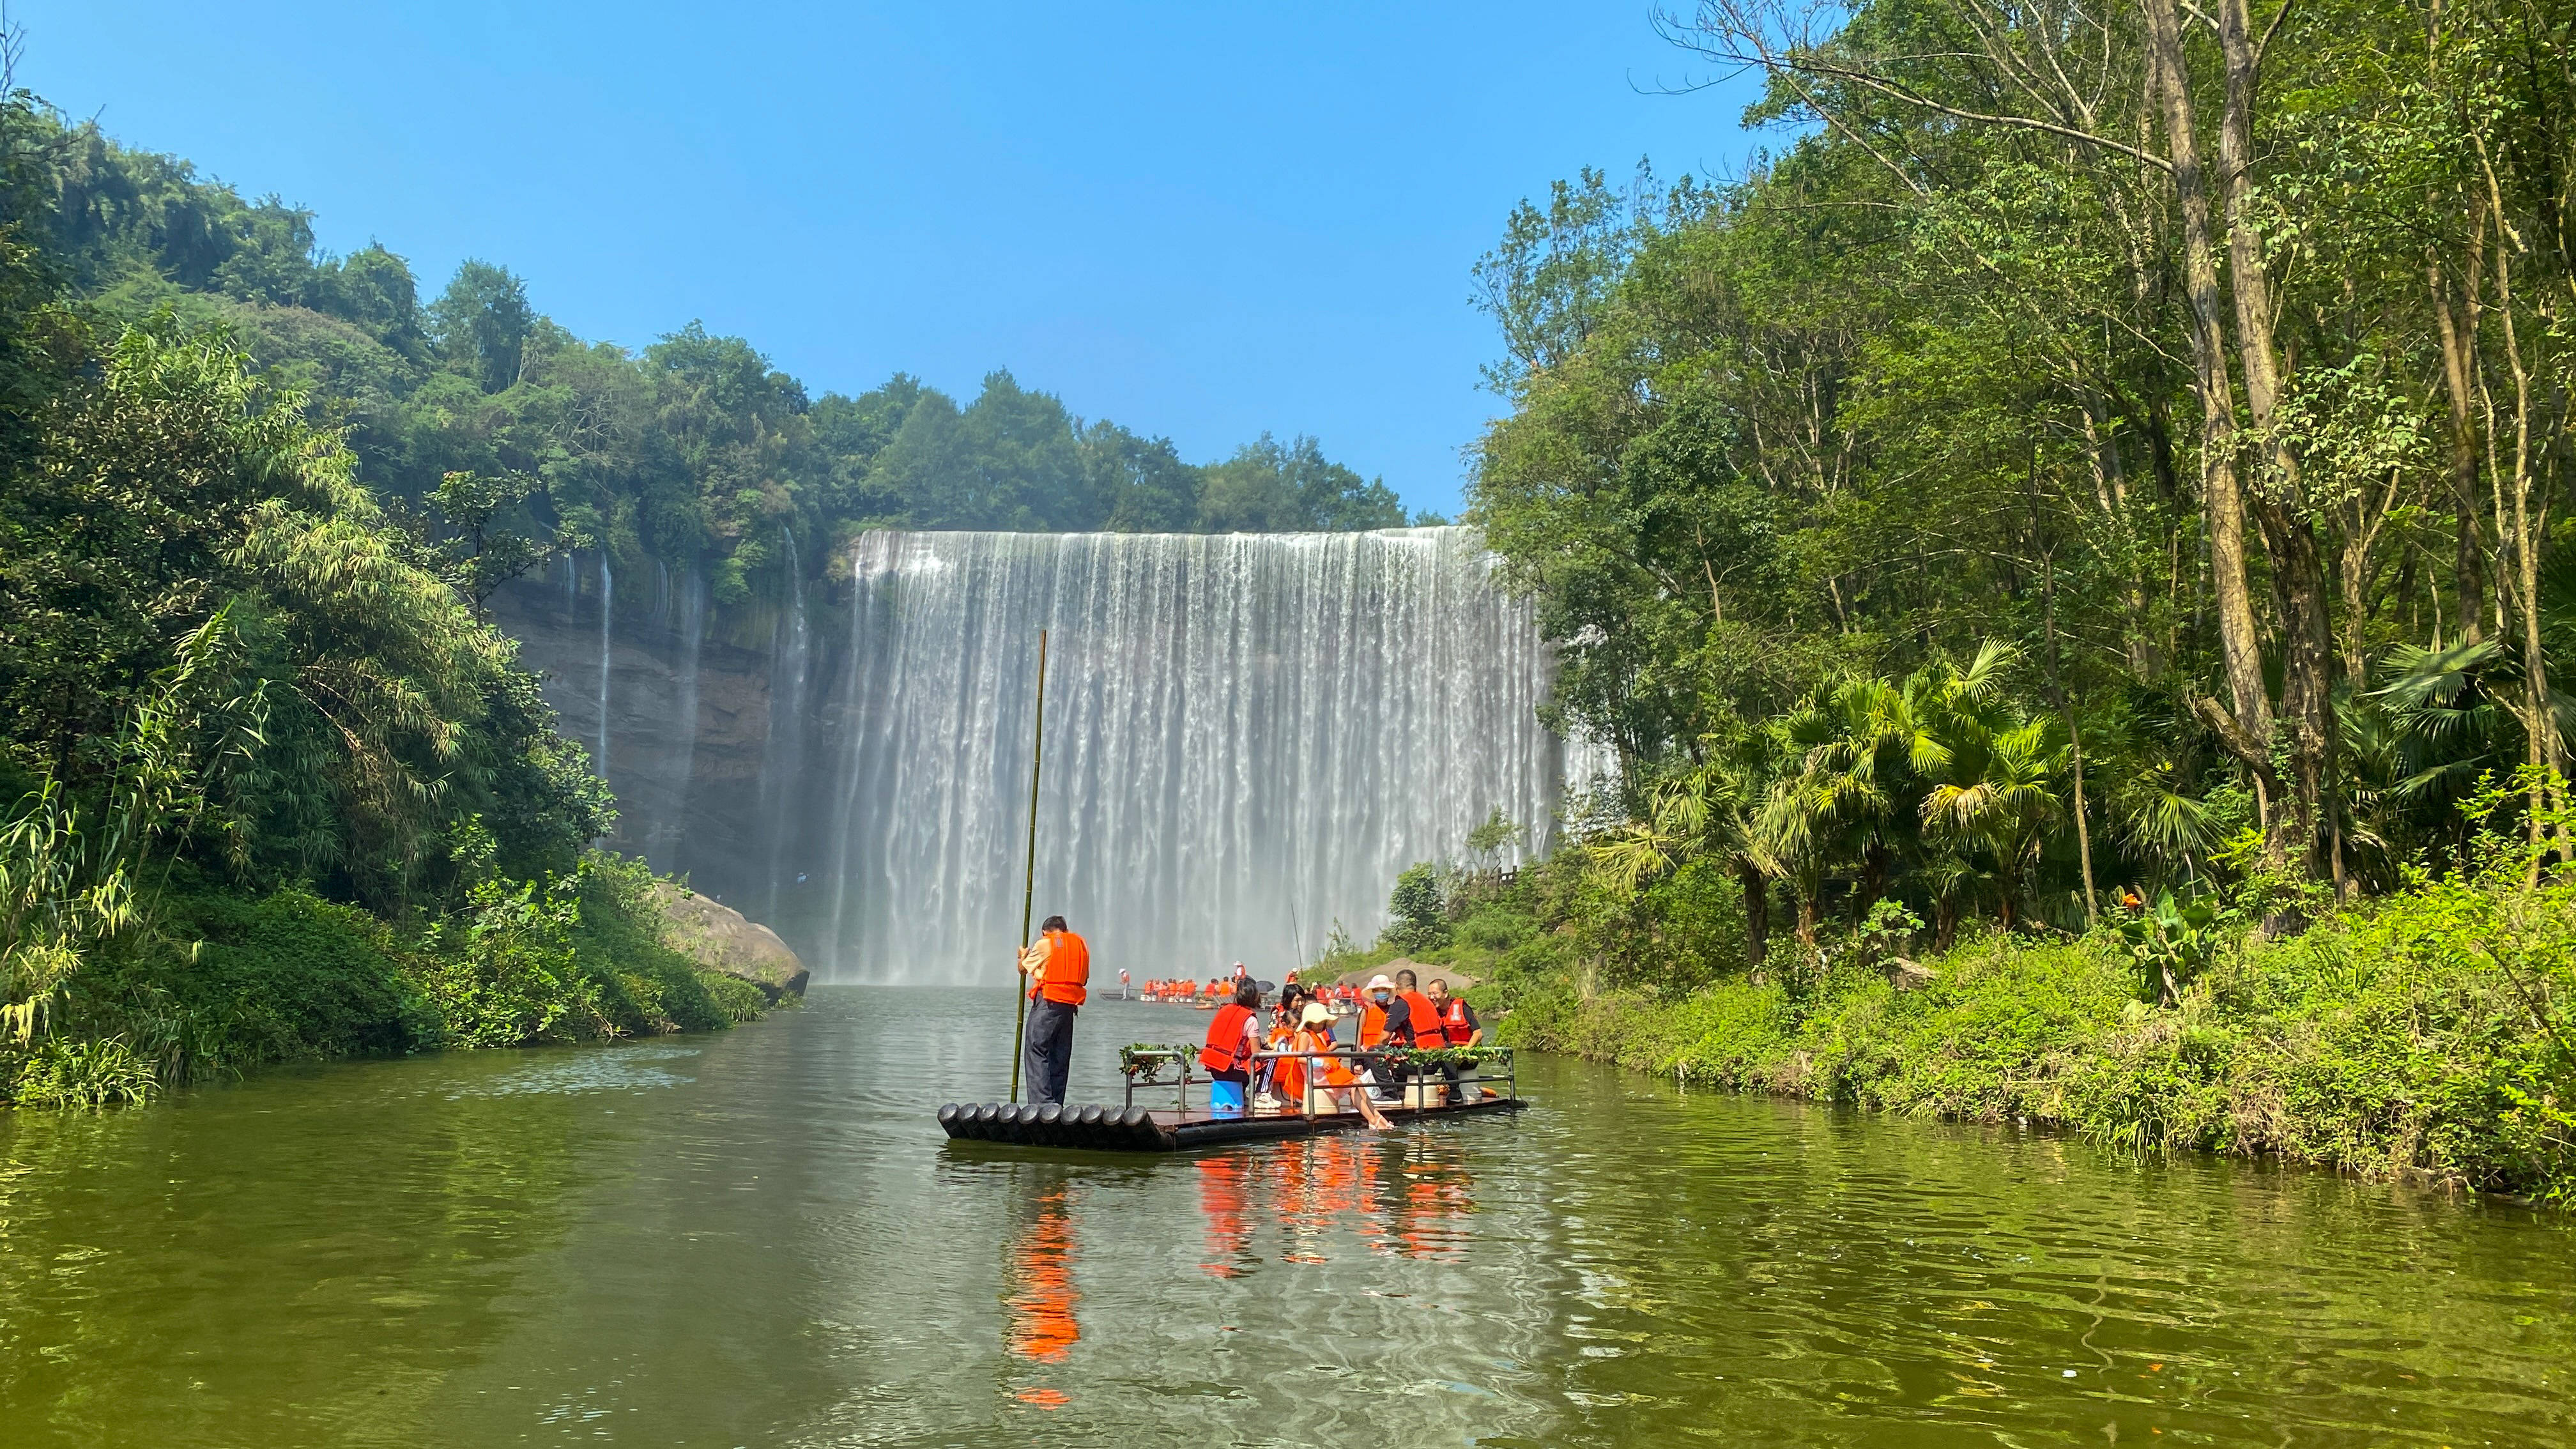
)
(769, 1243)
(1043, 1328)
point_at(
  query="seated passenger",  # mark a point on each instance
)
(1232, 1039)
(1332, 1075)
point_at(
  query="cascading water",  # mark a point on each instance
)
(782, 767)
(607, 614)
(1248, 736)
(693, 637)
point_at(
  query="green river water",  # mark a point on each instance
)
(760, 1237)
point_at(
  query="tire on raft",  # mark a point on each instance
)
(948, 1118)
(1086, 1125)
(1136, 1125)
(988, 1122)
(1051, 1125)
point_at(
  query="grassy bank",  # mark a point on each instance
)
(216, 983)
(2423, 1033)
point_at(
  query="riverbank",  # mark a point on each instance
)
(216, 983)
(2423, 1034)
(2426, 1034)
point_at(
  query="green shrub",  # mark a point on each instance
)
(99, 1072)
(736, 999)
(502, 972)
(646, 987)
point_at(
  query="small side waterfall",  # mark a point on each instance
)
(782, 762)
(607, 616)
(692, 604)
(1248, 736)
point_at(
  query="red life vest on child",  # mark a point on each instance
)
(1229, 1040)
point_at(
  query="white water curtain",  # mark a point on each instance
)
(1247, 737)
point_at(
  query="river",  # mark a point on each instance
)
(761, 1238)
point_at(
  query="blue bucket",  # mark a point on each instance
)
(1225, 1099)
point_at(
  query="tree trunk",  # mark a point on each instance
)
(2298, 568)
(1873, 880)
(2459, 390)
(1757, 913)
(2240, 648)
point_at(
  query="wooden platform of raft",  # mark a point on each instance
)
(1139, 1129)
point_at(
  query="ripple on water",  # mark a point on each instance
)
(598, 1069)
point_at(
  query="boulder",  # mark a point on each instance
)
(1458, 980)
(721, 938)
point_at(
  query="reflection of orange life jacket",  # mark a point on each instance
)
(1229, 1040)
(1067, 969)
(1372, 1022)
(1422, 1021)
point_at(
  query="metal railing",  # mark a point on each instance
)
(1148, 1064)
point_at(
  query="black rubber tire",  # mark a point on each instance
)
(948, 1116)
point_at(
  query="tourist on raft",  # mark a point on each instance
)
(1233, 1039)
(1459, 1027)
(1058, 968)
(1332, 1076)
(1283, 1081)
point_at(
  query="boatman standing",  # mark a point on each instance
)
(1058, 967)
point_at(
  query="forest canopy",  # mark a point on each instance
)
(2105, 446)
(693, 450)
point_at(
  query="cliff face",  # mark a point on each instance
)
(705, 727)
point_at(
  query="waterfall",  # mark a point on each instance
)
(692, 603)
(782, 760)
(1248, 736)
(607, 607)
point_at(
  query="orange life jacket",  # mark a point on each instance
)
(1372, 1022)
(1067, 970)
(1331, 1071)
(1453, 1021)
(1229, 1043)
(1422, 1021)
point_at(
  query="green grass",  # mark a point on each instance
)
(2423, 1034)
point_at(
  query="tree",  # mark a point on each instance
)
(481, 550)
(479, 326)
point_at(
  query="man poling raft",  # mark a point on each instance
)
(1058, 968)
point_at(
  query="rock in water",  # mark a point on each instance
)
(721, 938)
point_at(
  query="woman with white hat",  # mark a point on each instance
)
(1331, 1076)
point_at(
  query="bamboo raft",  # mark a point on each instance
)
(1131, 1128)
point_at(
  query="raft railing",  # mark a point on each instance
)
(1147, 1063)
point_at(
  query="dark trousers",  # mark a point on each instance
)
(1048, 1058)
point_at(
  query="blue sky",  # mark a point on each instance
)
(1204, 221)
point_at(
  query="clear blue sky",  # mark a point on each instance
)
(1202, 220)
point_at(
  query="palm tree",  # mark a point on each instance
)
(1705, 813)
(2001, 793)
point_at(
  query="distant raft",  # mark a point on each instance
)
(1137, 1129)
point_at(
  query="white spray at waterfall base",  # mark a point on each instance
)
(1248, 737)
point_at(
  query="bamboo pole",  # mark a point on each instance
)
(1029, 883)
